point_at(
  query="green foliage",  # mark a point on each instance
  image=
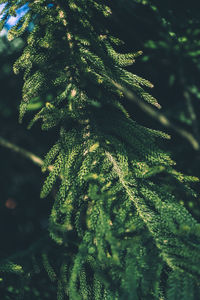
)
(120, 232)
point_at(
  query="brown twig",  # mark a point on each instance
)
(34, 158)
(161, 118)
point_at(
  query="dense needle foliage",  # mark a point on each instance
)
(116, 231)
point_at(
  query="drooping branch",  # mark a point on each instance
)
(161, 118)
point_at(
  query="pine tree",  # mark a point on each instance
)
(117, 232)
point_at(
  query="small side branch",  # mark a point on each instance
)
(161, 118)
(35, 159)
(192, 113)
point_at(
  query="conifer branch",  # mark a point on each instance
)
(112, 222)
(161, 118)
(34, 158)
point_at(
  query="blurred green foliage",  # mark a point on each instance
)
(23, 215)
